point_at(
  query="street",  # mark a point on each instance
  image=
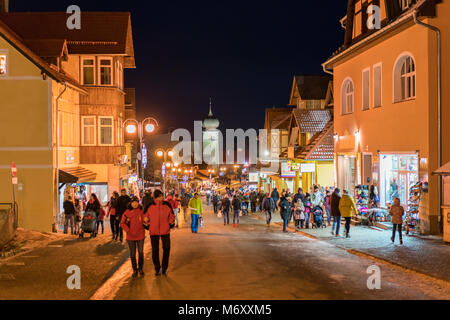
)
(256, 262)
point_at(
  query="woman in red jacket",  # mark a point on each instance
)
(132, 222)
(161, 219)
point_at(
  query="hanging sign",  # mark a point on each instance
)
(14, 173)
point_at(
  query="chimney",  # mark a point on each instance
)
(4, 6)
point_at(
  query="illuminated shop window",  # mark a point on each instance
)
(3, 61)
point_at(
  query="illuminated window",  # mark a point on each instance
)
(347, 94)
(88, 73)
(3, 61)
(105, 130)
(377, 85)
(366, 89)
(88, 131)
(105, 71)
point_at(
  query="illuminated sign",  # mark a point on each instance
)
(307, 167)
(253, 177)
(285, 171)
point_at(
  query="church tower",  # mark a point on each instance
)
(211, 145)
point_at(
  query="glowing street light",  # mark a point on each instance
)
(150, 127)
(131, 129)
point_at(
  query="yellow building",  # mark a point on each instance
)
(309, 156)
(62, 108)
(388, 103)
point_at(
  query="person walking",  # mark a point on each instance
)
(215, 202)
(147, 199)
(161, 219)
(236, 203)
(275, 196)
(123, 203)
(112, 207)
(299, 213)
(78, 215)
(226, 204)
(196, 206)
(185, 204)
(397, 212)
(174, 204)
(100, 219)
(69, 213)
(132, 222)
(253, 200)
(94, 206)
(347, 207)
(285, 211)
(268, 206)
(327, 205)
(307, 205)
(334, 211)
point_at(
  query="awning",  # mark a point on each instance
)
(443, 171)
(76, 175)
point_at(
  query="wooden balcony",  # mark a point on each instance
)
(100, 154)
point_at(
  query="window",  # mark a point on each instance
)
(405, 4)
(88, 73)
(313, 104)
(366, 89)
(377, 86)
(404, 79)
(105, 71)
(3, 64)
(88, 131)
(347, 97)
(106, 131)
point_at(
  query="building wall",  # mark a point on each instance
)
(325, 173)
(404, 126)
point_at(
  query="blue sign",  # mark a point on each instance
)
(144, 155)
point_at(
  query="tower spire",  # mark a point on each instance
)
(210, 107)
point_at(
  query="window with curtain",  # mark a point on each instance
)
(366, 89)
(105, 71)
(3, 60)
(404, 79)
(347, 94)
(377, 86)
(88, 131)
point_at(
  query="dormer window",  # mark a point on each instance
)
(105, 71)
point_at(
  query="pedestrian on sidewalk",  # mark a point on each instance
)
(334, 211)
(347, 207)
(133, 223)
(161, 220)
(196, 206)
(78, 214)
(215, 202)
(285, 210)
(69, 213)
(147, 200)
(268, 206)
(307, 205)
(397, 212)
(185, 204)
(100, 218)
(253, 200)
(112, 207)
(94, 206)
(327, 205)
(299, 214)
(123, 203)
(275, 197)
(174, 204)
(236, 203)
(226, 204)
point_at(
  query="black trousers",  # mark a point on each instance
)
(394, 229)
(155, 251)
(139, 245)
(347, 224)
(119, 230)
(215, 206)
(112, 222)
(100, 222)
(253, 206)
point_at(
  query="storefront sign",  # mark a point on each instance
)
(69, 157)
(294, 166)
(308, 167)
(253, 177)
(144, 155)
(286, 172)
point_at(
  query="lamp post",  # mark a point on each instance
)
(160, 153)
(132, 126)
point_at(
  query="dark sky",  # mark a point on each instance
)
(244, 55)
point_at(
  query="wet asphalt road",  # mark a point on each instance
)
(256, 262)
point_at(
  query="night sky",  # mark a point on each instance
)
(244, 55)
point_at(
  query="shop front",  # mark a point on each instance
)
(347, 171)
(398, 174)
(287, 177)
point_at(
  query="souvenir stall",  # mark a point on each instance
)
(412, 214)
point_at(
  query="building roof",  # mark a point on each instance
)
(17, 42)
(321, 146)
(395, 16)
(100, 33)
(48, 47)
(312, 87)
(312, 121)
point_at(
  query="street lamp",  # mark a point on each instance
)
(132, 126)
(160, 153)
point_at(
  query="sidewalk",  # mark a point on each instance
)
(427, 255)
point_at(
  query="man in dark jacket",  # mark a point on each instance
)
(226, 204)
(122, 205)
(334, 210)
(253, 200)
(285, 210)
(268, 206)
(215, 201)
(147, 200)
(69, 212)
(236, 203)
(275, 196)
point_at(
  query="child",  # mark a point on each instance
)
(100, 219)
(307, 205)
(299, 214)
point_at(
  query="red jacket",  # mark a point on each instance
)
(134, 229)
(161, 217)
